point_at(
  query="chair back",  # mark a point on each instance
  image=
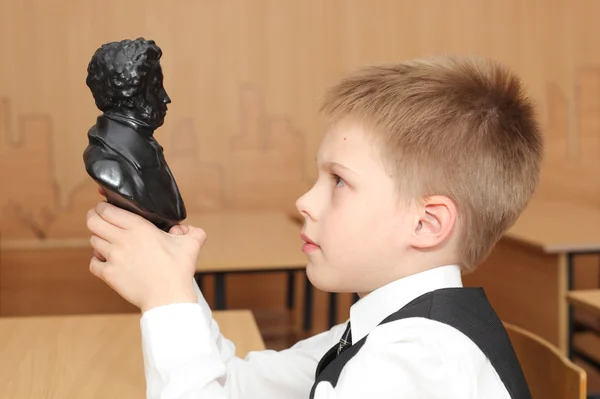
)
(549, 373)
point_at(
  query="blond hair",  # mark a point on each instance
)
(460, 127)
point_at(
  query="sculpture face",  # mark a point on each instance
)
(156, 98)
(126, 78)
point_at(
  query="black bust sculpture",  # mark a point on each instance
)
(123, 157)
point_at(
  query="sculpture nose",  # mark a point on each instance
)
(166, 98)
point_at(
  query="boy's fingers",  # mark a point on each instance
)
(117, 216)
(99, 256)
(101, 247)
(102, 228)
(97, 267)
(101, 191)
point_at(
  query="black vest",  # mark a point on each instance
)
(465, 309)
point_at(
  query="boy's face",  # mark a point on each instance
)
(353, 216)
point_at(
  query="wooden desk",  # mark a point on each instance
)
(528, 274)
(558, 227)
(249, 242)
(238, 242)
(49, 244)
(94, 356)
(588, 299)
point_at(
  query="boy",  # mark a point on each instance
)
(423, 166)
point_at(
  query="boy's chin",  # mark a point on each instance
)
(321, 280)
(316, 278)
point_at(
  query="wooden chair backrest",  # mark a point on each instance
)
(549, 373)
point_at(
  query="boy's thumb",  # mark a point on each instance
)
(196, 233)
(179, 230)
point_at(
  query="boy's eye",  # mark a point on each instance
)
(339, 182)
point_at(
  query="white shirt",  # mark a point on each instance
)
(185, 355)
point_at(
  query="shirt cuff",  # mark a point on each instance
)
(175, 334)
(180, 358)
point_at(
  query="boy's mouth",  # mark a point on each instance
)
(306, 239)
(309, 245)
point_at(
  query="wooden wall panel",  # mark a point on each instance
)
(53, 281)
(246, 79)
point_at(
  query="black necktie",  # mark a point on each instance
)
(335, 351)
(346, 340)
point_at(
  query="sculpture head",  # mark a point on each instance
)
(126, 78)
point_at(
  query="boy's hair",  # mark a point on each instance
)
(455, 126)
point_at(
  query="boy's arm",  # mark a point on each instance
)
(225, 347)
(181, 360)
(186, 356)
(184, 353)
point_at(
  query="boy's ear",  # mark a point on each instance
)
(435, 222)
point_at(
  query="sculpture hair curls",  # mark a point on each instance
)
(117, 71)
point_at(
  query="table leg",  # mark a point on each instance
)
(308, 305)
(220, 291)
(291, 285)
(570, 320)
(571, 351)
(199, 280)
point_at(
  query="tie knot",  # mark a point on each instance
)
(346, 340)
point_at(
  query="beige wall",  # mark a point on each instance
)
(245, 78)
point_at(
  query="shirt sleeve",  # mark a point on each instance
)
(186, 356)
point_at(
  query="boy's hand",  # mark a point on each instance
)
(142, 263)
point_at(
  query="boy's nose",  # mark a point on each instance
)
(302, 206)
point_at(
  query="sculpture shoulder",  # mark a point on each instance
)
(111, 170)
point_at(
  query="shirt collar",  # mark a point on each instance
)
(370, 310)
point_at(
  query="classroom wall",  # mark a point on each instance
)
(245, 78)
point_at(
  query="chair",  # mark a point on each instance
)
(583, 340)
(549, 374)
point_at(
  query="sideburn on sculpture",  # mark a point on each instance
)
(122, 156)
